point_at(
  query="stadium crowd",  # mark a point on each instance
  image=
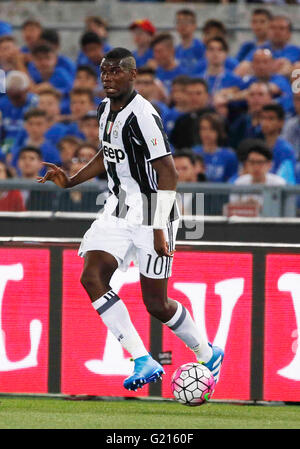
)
(229, 118)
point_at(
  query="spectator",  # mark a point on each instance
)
(86, 78)
(221, 163)
(89, 126)
(11, 57)
(49, 101)
(92, 49)
(10, 200)
(29, 167)
(185, 133)
(260, 23)
(45, 73)
(247, 125)
(68, 146)
(29, 164)
(164, 55)
(286, 54)
(263, 70)
(185, 163)
(190, 50)
(242, 152)
(215, 28)
(142, 33)
(283, 154)
(187, 169)
(149, 87)
(85, 152)
(51, 37)
(178, 95)
(36, 126)
(13, 105)
(31, 32)
(98, 25)
(74, 200)
(220, 103)
(179, 103)
(216, 75)
(291, 128)
(81, 102)
(259, 162)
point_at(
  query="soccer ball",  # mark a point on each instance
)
(192, 384)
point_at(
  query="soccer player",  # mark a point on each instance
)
(137, 157)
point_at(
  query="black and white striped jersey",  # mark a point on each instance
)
(130, 139)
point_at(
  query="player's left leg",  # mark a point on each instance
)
(174, 315)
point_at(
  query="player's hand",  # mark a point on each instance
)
(160, 244)
(56, 175)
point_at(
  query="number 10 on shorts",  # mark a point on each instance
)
(158, 266)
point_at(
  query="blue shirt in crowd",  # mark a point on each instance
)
(230, 64)
(141, 60)
(170, 118)
(49, 151)
(291, 133)
(189, 57)
(13, 118)
(290, 52)
(286, 97)
(245, 49)
(5, 28)
(284, 160)
(167, 76)
(220, 165)
(60, 78)
(62, 62)
(57, 132)
(221, 81)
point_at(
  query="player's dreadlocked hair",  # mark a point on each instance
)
(123, 55)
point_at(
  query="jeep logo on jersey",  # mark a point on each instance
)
(112, 153)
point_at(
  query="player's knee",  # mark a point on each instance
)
(157, 307)
(89, 280)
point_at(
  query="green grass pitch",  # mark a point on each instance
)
(59, 413)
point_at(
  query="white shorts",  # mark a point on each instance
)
(130, 243)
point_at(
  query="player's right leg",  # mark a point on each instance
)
(99, 266)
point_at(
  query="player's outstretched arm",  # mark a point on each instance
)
(61, 179)
(167, 181)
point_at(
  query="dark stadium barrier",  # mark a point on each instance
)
(246, 297)
(215, 229)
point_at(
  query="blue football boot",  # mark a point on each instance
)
(146, 370)
(214, 364)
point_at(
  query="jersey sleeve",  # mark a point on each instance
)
(100, 110)
(155, 141)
